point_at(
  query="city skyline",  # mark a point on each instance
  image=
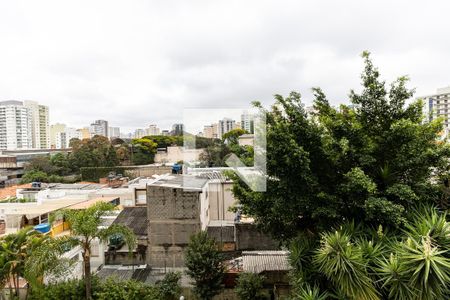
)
(230, 55)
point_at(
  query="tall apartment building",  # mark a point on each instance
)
(139, 133)
(177, 129)
(55, 130)
(438, 105)
(211, 131)
(225, 125)
(247, 122)
(63, 138)
(99, 127)
(40, 129)
(15, 126)
(153, 130)
(84, 133)
(114, 132)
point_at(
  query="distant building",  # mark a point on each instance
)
(139, 133)
(165, 132)
(437, 106)
(247, 122)
(84, 133)
(177, 129)
(211, 131)
(153, 130)
(226, 125)
(40, 129)
(55, 130)
(114, 132)
(63, 138)
(15, 126)
(99, 127)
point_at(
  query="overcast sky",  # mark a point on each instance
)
(134, 63)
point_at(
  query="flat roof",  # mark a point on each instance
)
(180, 181)
(89, 203)
(76, 186)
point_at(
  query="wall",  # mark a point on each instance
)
(174, 215)
(249, 237)
(175, 154)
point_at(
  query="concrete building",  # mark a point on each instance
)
(99, 127)
(247, 122)
(173, 210)
(438, 106)
(139, 133)
(40, 129)
(15, 126)
(84, 133)
(55, 130)
(174, 154)
(63, 138)
(153, 130)
(177, 129)
(165, 132)
(211, 131)
(246, 140)
(226, 125)
(114, 132)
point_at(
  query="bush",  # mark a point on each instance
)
(169, 288)
(95, 173)
(249, 286)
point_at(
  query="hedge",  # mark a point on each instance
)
(95, 173)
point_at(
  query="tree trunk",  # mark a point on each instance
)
(87, 271)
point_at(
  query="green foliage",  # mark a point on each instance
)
(94, 152)
(31, 255)
(85, 225)
(343, 264)
(143, 151)
(353, 263)
(169, 288)
(249, 286)
(95, 173)
(205, 265)
(113, 289)
(371, 162)
(308, 293)
(232, 136)
(34, 175)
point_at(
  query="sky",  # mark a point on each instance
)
(136, 63)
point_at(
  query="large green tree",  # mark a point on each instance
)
(370, 161)
(205, 265)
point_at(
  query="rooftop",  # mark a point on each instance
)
(180, 181)
(135, 218)
(261, 261)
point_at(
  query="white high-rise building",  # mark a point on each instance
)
(63, 138)
(438, 106)
(153, 130)
(99, 127)
(40, 129)
(114, 132)
(139, 133)
(15, 126)
(247, 122)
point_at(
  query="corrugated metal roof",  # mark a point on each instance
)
(260, 261)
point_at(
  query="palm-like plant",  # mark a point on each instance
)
(86, 227)
(343, 264)
(14, 252)
(310, 293)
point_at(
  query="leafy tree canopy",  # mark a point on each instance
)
(371, 161)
